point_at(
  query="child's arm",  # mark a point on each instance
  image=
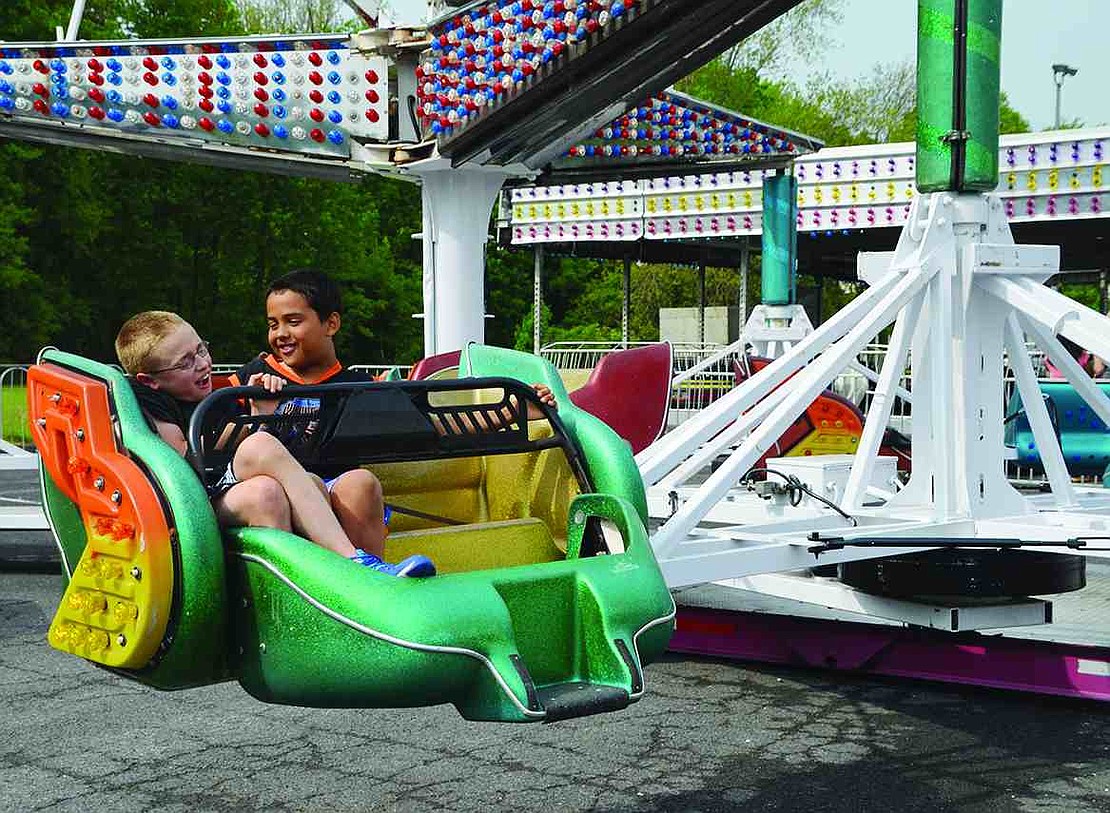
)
(546, 396)
(172, 434)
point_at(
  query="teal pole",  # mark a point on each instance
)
(958, 94)
(780, 238)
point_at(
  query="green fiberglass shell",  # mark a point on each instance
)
(548, 603)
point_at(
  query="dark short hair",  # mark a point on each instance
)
(319, 290)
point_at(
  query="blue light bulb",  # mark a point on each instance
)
(114, 96)
(278, 78)
(168, 63)
(114, 65)
(279, 95)
(170, 102)
(334, 58)
(334, 77)
(334, 97)
(223, 61)
(279, 111)
(59, 109)
(223, 78)
(169, 79)
(5, 68)
(57, 65)
(278, 60)
(169, 120)
(224, 106)
(223, 93)
(6, 87)
(335, 137)
(335, 117)
(225, 126)
(115, 79)
(6, 103)
(115, 114)
(280, 131)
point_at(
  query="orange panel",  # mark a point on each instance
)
(117, 604)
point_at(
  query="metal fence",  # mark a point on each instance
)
(14, 429)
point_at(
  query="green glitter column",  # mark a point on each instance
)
(780, 238)
(958, 94)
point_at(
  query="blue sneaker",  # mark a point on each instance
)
(416, 567)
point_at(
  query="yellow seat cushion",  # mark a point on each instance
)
(480, 546)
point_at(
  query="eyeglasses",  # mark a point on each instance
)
(188, 361)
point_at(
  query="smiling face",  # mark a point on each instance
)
(183, 365)
(297, 335)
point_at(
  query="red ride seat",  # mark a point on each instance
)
(630, 390)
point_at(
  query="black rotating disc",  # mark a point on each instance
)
(967, 572)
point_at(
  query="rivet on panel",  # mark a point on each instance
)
(56, 397)
(98, 483)
(80, 434)
(137, 573)
(262, 647)
(117, 497)
(41, 421)
(121, 639)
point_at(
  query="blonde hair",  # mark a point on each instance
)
(139, 336)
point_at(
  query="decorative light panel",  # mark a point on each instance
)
(489, 52)
(589, 211)
(839, 191)
(673, 125)
(301, 95)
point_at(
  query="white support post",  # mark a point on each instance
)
(745, 262)
(457, 206)
(537, 300)
(626, 300)
(878, 414)
(75, 20)
(1039, 421)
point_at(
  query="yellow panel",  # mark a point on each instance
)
(115, 607)
(825, 442)
(478, 547)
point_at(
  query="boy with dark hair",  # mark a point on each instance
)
(303, 314)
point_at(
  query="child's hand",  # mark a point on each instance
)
(545, 394)
(267, 381)
(546, 397)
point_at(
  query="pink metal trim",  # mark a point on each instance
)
(1043, 667)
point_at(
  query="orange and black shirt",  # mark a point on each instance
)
(304, 410)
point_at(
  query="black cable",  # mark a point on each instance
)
(796, 488)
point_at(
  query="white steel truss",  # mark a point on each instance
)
(962, 298)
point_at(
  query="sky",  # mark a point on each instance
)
(1035, 34)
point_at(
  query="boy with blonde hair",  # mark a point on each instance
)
(171, 372)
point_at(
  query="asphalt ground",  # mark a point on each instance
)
(709, 735)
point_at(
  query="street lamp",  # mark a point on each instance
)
(1059, 73)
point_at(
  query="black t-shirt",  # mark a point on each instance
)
(303, 411)
(162, 407)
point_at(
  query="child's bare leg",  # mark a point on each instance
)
(356, 498)
(259, 502)
(311, 514)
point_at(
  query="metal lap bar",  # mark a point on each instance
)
(348, 431)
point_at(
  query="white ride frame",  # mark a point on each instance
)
(960, 294)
